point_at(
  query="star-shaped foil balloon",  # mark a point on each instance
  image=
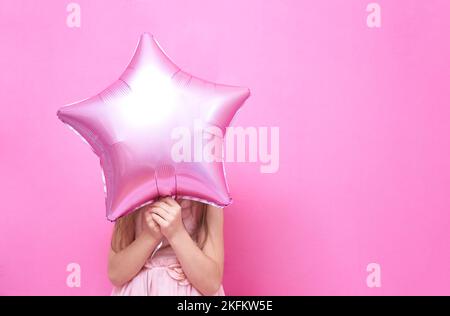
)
(151, 129)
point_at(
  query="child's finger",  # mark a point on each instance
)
(159, 220)
(153, 225)
(149, 218)
(160, 212)
(170, 204)
(162, 205)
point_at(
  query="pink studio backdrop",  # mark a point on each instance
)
(364, 140)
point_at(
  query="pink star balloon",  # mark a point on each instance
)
(145, 121)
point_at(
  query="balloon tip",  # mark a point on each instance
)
(59, 113)
(147, 34)
(245, 92)
(111, 218)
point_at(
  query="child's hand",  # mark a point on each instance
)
(167, 213)
(149, 225)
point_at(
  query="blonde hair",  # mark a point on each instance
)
(124, 228)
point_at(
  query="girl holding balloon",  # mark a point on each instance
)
(169, 246)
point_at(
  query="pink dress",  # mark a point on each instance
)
(162, 273)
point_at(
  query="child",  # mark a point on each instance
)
(170, 247)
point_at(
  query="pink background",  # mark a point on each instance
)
(364, 150)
